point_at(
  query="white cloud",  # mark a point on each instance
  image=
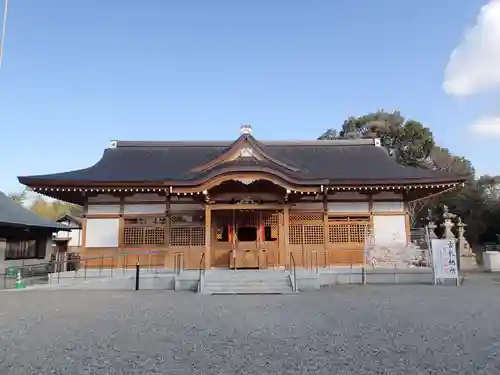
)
(474, 65)
(487, 126)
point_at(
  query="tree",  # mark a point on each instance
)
(19, 197)
(49, 209)
(53, 209)
(409, 141)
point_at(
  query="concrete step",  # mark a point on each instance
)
(247, 282)
(247, 289)
(253, 282)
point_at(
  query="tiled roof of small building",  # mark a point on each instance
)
(13, 214)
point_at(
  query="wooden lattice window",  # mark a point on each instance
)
(187, 219)
(295, 234)
(306, 216)
(270, 220)
(187, 236)
(306, 228)
(147, 230)
(270, 223)
(187, 229)
(348, 229)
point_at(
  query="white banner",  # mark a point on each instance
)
(444, 259)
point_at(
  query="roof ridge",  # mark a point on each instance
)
(221, 143)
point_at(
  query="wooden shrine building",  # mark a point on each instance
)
(246, 201)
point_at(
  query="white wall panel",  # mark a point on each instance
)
(144, 209)
(347, 195)
(354, 207)
(102, 233)
(103, 198)
(76, 237)
(387, 195)
(308, 206)
(103, 209)
(388, 207)
(389, 229)
(148, 197)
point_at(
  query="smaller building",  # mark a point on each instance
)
(73, 234)
(25, 237)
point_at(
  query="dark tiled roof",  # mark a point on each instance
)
(13, 214)
(77, 222)
(325, 162)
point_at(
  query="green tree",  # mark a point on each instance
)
(19, 197)
(53, 209)
(477, 203)
(408, 140)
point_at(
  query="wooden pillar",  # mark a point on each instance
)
(208, 232)
(407, 221)
(325, 221)
(84, 222)
(121, 225)
(286, 226)
(167, 221)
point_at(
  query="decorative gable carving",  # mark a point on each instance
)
(246, 152)
(244, 147)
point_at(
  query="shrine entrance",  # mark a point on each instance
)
(245, 238)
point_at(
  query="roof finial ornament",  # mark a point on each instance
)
(246, 129)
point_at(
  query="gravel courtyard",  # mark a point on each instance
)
(347, 330)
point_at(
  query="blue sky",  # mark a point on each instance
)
(77, 74)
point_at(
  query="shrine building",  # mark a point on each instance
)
(250, 202)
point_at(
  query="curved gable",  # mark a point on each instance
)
(245, 147)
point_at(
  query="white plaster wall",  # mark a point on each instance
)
(348, 195)
(147, 197)
(103, 198)
(389, 229)
(103, 209)
(354, 207)
(102, 233)
(176, 207)
(308, 206)
(76, 238)
(388, 206)
(144, 209)
(387, 195)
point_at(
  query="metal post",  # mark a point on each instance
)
(85, 270)
(137, 270)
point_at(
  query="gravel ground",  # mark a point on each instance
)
(344, 330)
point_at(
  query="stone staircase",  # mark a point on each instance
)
(247, 282)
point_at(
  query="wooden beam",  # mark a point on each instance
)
(286, 225)
(325, 221)
(121, 225)
(265, 206)
(208, 232)
(166, 228)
